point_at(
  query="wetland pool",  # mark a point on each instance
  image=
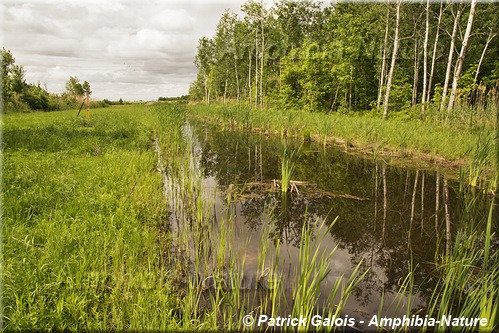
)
(387, 218)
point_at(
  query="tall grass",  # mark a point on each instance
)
(482, 171)
(407, 137)
(83, 223)
(469, 278)
(313, 270)
(467, 282)
(287, 167)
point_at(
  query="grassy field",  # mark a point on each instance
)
(84, 234)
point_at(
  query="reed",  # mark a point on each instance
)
(287, 167)
(481, 161)
(469, 284)
(451, 140)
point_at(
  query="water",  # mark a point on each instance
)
(386, 216)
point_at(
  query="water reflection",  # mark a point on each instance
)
(387, 216)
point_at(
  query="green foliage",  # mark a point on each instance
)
(306, 78)
(74, 87)
(329, 58)
(20, 96)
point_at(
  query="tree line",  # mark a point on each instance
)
(17, 95)
(386, 56)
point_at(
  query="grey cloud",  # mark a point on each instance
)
(144, 49)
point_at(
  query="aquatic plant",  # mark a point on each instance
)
(469, 278)
(481, 161)
(287, 167)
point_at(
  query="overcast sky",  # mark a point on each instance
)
(126, 49)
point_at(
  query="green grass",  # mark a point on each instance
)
(86, 240)
(469, 278)
(403, 137)
(83, 223)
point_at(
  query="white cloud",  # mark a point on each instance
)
(142, 50)
(174, 21)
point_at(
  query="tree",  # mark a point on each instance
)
(74, 87)
(425, 57)
(343, 57)
(256, 17)
(204, 61)
(451, 53)
(489, 39)
(87, 92)
(86, 89)
(383, 58)
(394, 58)
(462, 54)
(8, 63)
(433, 57)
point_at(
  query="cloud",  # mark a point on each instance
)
(174, 21)
(142, 49)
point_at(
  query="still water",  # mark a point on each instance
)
(386, 216)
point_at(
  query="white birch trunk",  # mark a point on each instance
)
(383, 63)
(489, 39)
(416, 73)
(430, 79)
(449, 60)
(460, 60)
(394, 59)
(425, 58)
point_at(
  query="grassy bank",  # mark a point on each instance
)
(416, 142)
(83, 223)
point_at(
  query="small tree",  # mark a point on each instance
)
(87, 92)
(74, 87)
(86, 89)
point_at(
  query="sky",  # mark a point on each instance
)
(134, 50)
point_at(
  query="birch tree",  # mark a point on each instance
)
(451, 54)
(394, 59)
(434, 54)
(489, 39)
(383, 59)
(425, 57)
(255, 17)
(460, 60)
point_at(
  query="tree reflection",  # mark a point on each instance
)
(350, 188)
